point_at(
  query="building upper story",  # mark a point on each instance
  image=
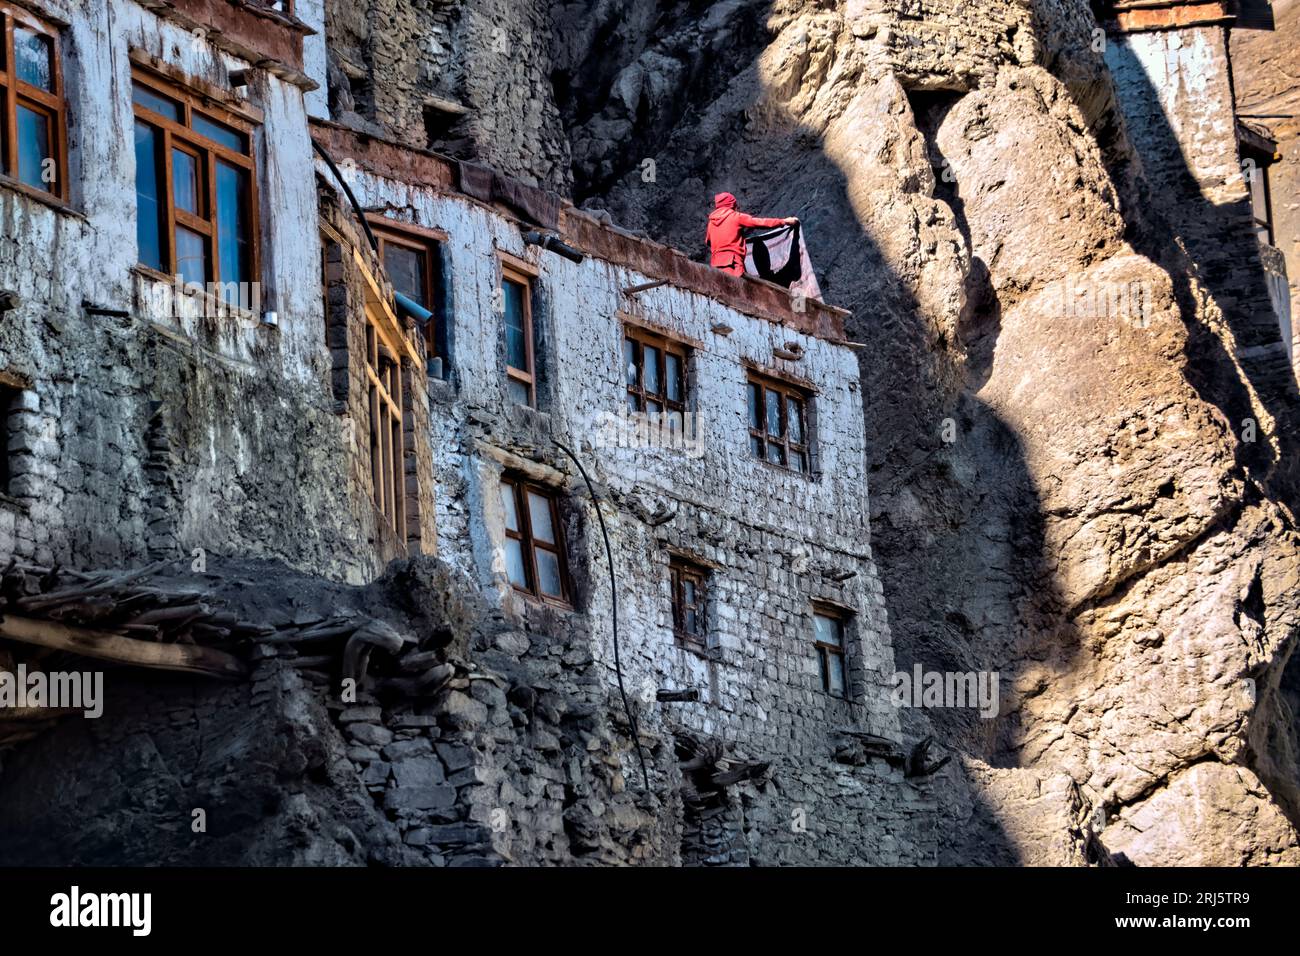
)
(202, 349)
(1172, 66)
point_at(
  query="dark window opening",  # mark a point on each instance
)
(413, 262)
(828, 639)
(446, 130)
(777, 413)
(690, 584)
(359, 90)
(536, 562)
(1255, 164)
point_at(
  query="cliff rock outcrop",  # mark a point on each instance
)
(1110, 522)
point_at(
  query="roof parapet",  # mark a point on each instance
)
(266, 38)
(586, 233)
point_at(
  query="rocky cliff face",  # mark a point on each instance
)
(1075, 481)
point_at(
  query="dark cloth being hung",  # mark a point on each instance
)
(779, 255)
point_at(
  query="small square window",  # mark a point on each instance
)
(828, 639)
(690, 588)
(535, 557)
(655, 369)
(777, 414)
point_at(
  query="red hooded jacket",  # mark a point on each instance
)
(726, 244)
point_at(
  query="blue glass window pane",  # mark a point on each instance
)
(774, 413)
(34, 150)
(794, 420)
(148, 208)
(185, 181)
(828, 630)
(629, 361)
(518, 392)
(143, 96)
(755, 399)
(516, 341)
(508, 505)
(515, 563)
(218, 132)
(33, 56)
(674, 371)
(191, 256)
(233, 240)
(650, 371)
(406, 269)
(548, 573)
(539, 513)
(835, 676)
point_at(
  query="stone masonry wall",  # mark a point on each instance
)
(150, 428)
(151, 425)
(393, 60)
(478, 747)
(776, 541)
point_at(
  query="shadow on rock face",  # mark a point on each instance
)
(1021, 293)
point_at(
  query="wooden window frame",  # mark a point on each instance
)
(189, 140)
(426, 244)
(681, 570)
(787, 391)
(825, 650)
(520, 487)
(526, 377)
(387, 453)
(1262, 161)
(641, 340)
(14, 93)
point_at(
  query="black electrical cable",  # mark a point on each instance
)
(613, 597)
(356, 206)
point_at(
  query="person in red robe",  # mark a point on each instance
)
(726, 242)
